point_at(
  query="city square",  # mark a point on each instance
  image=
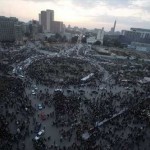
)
(74, 75)
(75, 102)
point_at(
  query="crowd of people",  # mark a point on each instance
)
(95, 114)
(60, 70)
(16, 110)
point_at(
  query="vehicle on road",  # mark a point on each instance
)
(102, 88)
(40, 107)
(127, 88)
(41, 132)
(21, 76)
(35, 87)
(33, 92)
(38, 136)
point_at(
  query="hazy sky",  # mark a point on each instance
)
(84, 13)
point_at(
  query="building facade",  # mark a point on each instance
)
(100, 35)
(136, 35)
(18, 32)
(7, 29)
(45, 19)
(50, 19)
(42, 20)
(57, 27)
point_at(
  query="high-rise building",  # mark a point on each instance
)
(42, 20)
(114, 26)
(57, 27)
(10, 29)
(50, 18)
(45, 19)
(112, 31)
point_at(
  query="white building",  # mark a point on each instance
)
(100, 37)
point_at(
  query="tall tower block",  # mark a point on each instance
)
(114, 26)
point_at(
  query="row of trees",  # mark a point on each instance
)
(108, 41)
(56, 38)
(112, 41)
(59, 38)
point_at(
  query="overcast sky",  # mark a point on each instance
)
(84, 13)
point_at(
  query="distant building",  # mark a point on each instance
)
(45, 19)
(112, 31)
(31, 29)
(69, 26)
(140, 30)
(10, 29)
(50, 19)
(57, 27)
(136, 35)
(18, 32)
(100, 37)
(114, 26)
(34, 28)
(84, 30)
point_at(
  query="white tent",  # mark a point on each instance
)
(85, 136)
(145, 80)
(87, 77)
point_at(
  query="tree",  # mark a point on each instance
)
(97, 43)
(58, 36)
(83, 40)
(51, 39)
(74, 39)
(117, 43)
(64, 39)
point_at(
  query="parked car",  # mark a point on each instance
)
(40, 107)
(38, 136)
(127, 88)
(41, 132)
(21, 76)
(35, 87)
(33, 92)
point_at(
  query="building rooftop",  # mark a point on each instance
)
(140, 29)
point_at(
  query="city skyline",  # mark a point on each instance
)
(88, 14)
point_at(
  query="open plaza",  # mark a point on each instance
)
(74, 97)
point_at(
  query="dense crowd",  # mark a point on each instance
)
(15, 109)
(96, 114)
(61, 70)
